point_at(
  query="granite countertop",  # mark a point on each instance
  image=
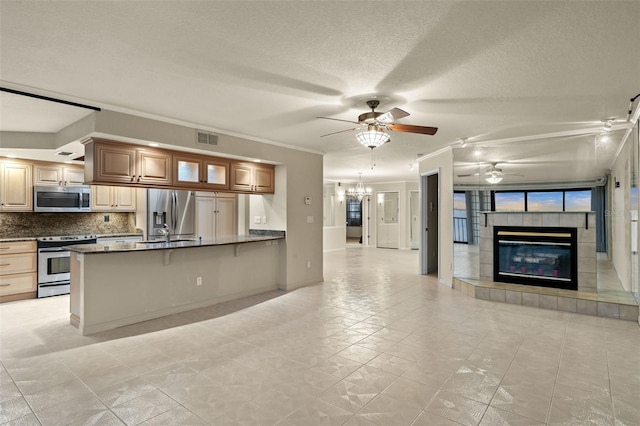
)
(8, 240)
(159, 245)
(121, 234)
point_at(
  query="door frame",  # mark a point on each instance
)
(425, 197)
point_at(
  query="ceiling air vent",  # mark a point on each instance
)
(65, 153)
(204, 138)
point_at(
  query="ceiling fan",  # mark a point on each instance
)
(373, 125)
(492, 174)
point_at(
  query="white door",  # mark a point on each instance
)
(205, 217)
(226, 213)
(388, 229)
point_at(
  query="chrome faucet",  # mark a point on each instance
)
(165, 231)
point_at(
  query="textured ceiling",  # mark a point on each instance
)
(487, 71)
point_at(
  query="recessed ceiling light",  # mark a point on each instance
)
(12, 156)
(68, 162)
(257, 161)
(153, 144)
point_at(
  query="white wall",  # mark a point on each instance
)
(272, 208)
(334, 236)
(442, 162)
(404, 213)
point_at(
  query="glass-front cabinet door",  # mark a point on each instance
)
(194, 172)
(216, 174)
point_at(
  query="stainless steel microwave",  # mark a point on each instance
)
(57, 199)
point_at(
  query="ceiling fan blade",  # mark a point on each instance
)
(475, 174)
(338, 119)
(423, 130)
(341, 131)
(392, 115)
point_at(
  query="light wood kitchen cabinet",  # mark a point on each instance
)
(216, 215)
(120, 163)
(16, 187)
(113, 198)
(199, 172)
(18, 270)
(57, 174)
(251, 177)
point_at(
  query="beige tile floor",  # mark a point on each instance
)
(376, 344)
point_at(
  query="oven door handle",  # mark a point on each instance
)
(51, 250)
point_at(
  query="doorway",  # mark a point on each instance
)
(354, 221)
(388, 226)
(430, 223)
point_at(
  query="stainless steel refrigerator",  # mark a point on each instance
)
(175, 208)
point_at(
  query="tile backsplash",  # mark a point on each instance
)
(20, 225)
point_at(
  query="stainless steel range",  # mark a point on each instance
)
(53, 263)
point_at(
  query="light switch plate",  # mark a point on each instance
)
(309, 219)
(256, 219)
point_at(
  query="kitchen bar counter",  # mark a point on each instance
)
(137, 282)
(161, 245)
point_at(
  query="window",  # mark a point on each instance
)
(577, 201)
(572, 200)
(544, 201)
(509, 201)
(354, 212)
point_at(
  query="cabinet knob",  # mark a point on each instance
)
(133, 178)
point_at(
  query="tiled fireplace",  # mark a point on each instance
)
(539, 248)
(544, 257)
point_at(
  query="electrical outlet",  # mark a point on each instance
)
(198, 280)
(268, 243)
(264, 219)
(256, 219)
(106, 218)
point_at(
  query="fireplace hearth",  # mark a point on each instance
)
(540, 256)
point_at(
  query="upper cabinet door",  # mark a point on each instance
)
(247, 177)
(264, 179)
(154, 167)
(48, 175)
(187, 171)
(216, 174)
(16, 188)
(241, 177)
(114, 164)
(57, 175)
(73, 176)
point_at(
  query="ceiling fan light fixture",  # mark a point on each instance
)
(493, 178)
(373, 137)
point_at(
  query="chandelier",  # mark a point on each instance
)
(359, 192)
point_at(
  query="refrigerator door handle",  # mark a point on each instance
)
(174, 210)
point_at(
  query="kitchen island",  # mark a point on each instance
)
(113, 285)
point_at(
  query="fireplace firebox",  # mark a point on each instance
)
(539, 256)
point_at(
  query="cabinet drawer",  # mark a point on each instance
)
(17, 283)
(18, 263)
(17, 247)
